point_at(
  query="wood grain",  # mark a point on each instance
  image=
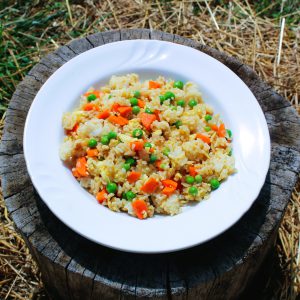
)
(75, 268)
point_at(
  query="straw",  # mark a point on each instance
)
(247, 30)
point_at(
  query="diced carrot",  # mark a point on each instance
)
(118, 120)
(115, 107)
(192, 171)
(89, 106)
(133, 176)
(222, 131)
(168, 190)
(92, 152)
(75, 173)
(147, 120)
(204, 138)
(125, 111)
(150, 186)
(139, 207)
(74, 129)
(101, 196)
(137, 145)
(154, 85)
(214, 127)
(157, 112)
(96, 93)
(141, 103)
(81, 166)
(104, 114)
(169, 183)
(151, 150)
(157, 163)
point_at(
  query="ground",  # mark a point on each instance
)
(264, 34)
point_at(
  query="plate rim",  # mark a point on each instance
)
(267, 151)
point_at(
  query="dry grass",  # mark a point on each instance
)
(288, 247)
(270, 46)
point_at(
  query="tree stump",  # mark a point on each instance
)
(75, 268)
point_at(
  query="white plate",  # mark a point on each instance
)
(79, 210)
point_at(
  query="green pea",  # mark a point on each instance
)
(92, 143)
(178, 124)
(126, 166)
(148, 110)
(109, 96)
(214, 183)
(133, 101)
(130, 195)
(91, 97)
(163, 166)
(111, 187)
(137, 94)
(207, 128)
(181, 102)
(136, 110)
(208, 117)
(193, 191)
(147, 145)
(105, 140)
(162, 99)
(189, 179)
(230, 152)
(131, 161)
(169, 95)
(112, 135)
(192, 103)
(153, 158)
(166, 151)
(137, 133)
(178, 84)
(229, 133)
(198, 178)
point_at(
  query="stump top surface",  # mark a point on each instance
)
(158, 275)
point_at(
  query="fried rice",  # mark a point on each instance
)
(146, 147)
